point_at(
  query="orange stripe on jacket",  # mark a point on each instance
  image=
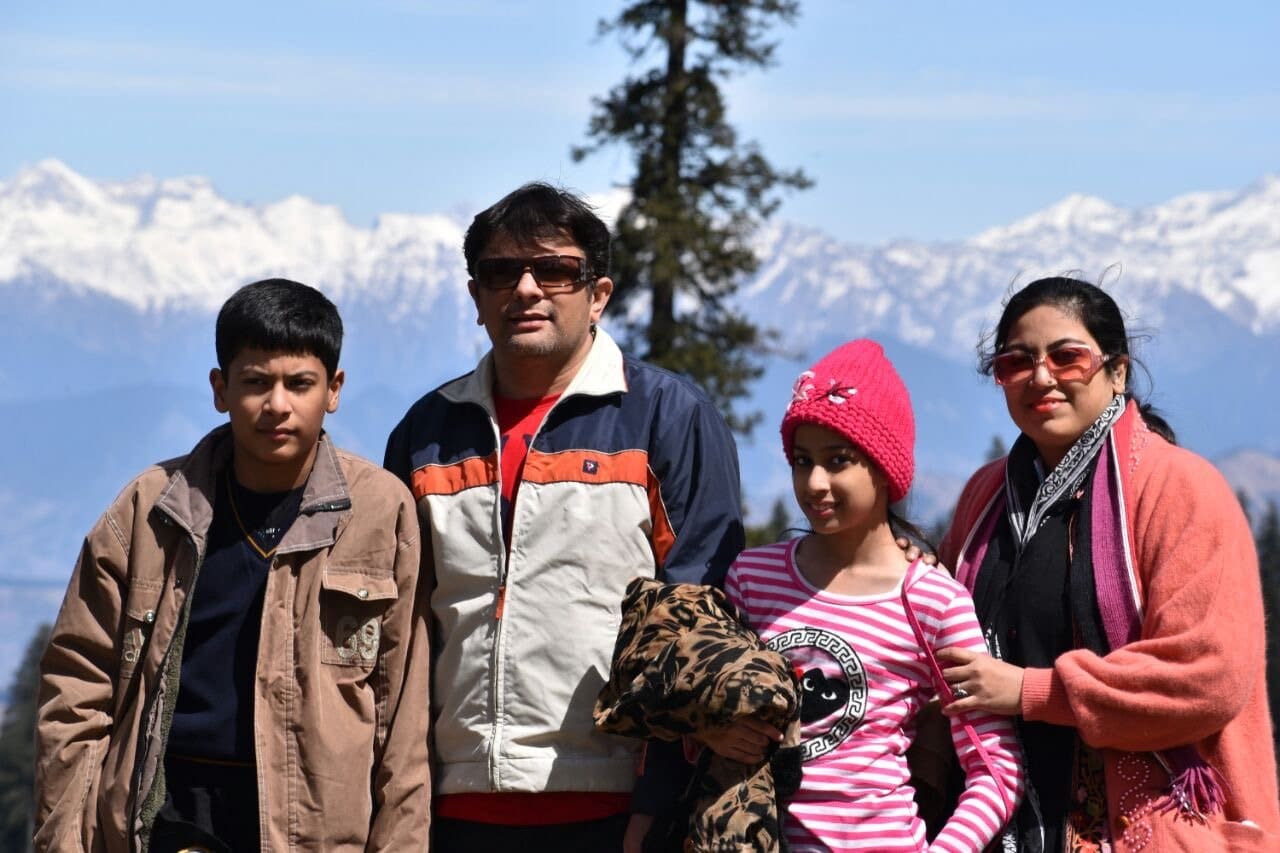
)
(625, 466)
(664, 538)
(454, 478)
(587, 466)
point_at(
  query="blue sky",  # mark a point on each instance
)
(930, 120)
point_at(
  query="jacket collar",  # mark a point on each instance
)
(601, 374)
(188, 497)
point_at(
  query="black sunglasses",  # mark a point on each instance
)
(551, 272)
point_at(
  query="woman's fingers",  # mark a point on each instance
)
(956, 655)
(982, 683)
(961, 669)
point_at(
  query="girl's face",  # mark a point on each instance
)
(1054, 413)
(837, 486)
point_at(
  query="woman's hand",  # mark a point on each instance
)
(912, 552)
(747, 739)
(981, 683)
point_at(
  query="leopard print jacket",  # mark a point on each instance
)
(684, 662)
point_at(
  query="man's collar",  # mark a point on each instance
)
(601, 373)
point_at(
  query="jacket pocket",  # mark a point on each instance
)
(351, 607)
(139, 619)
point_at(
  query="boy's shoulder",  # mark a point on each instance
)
(146, 487)
(135, 500)
(367, 478)
(197, 467)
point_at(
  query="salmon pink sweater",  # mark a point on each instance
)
(1195, 675)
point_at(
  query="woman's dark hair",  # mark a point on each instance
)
(1096, 311)
(901, 527)
(279, 315)
(538, 211)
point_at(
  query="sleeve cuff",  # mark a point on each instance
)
(1044, 698)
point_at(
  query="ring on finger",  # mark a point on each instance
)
(960, 693)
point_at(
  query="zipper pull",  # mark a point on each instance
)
(502, 602)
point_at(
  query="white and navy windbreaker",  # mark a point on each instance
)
(633, 472)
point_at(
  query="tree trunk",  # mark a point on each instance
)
(662, 323)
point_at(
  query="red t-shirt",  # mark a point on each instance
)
(518, 422)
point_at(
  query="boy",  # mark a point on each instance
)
(241, 658)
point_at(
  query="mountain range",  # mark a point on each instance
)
(109, 290)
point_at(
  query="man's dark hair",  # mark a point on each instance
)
(537, 211)
(279, 315)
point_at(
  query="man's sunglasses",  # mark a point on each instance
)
(553, 273)
(1070, 363)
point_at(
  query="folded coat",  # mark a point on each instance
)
(683, 663)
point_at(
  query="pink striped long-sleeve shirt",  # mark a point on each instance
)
(864, 679)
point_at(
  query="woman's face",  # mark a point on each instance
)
(1055, 413)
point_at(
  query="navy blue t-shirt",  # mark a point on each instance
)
(213, 717)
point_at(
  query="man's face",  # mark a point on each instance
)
(277, 403)
(525, 322)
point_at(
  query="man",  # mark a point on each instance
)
(547, 479)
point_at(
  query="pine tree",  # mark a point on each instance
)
(683, 243)
(17, 748)
(772, 530)
(996, 449)
(1268, 540)
(1246, 504)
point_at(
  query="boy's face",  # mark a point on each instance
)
(277, 403)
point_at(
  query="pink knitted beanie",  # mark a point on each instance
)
(855, 391)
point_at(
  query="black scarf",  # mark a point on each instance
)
(1045, 532)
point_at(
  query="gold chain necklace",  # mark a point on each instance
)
(253, 543)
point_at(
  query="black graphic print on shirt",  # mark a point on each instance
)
(820, 695)
(833, 683)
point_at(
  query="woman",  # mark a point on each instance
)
(1117, 584)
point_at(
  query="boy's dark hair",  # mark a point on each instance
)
(537, 211)
(279, 315)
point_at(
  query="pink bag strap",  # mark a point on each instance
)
(945, 693)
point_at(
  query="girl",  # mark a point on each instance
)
(1117, 582)
(835, 603)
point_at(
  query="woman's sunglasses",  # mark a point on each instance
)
(551, 272)
(1070, 363)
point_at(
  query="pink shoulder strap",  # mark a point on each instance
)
(943, 689)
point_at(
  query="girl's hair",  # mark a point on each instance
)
(1099, 314)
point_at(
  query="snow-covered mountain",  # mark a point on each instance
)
(108, 291)
(113, 283)
(176, 244)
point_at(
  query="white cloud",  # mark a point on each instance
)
(90, 66)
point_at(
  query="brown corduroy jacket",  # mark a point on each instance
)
(340, 695)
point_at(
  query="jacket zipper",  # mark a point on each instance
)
(500, 604)
(496, 659)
